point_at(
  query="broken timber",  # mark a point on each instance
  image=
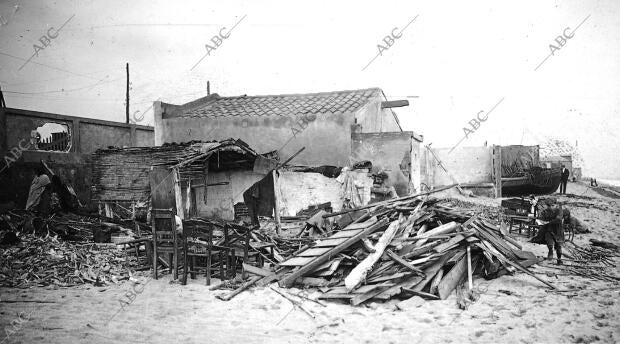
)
(337, 243)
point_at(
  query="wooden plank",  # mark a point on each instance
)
(326, 265)
(432, 270)
(496, 242)
(412, 250)
(443, 229)
(256, 270)
(330, 242)
(359, 225)
(435, 282)
(367, 296)
(337, 290)
(403, 262)
(346, 233)
(333, 266)
(313, 252)
(397, 289)
(421, 294)
(394, 103)
(290, 279)
(452, 278)
(449, 244)
(387, 278)
(297, 261)
(359, 291)
(312, 282)
(235, 292)
(336, 296)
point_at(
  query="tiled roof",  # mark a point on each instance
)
(337, 102)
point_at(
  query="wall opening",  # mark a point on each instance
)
(51, 137)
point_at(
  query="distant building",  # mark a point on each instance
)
(558, 161)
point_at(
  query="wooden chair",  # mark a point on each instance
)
(238, 241)
(135, 246)
(198, 242)
(165, 239)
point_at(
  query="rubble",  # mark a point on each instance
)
(404, 247)
(59, 250)
(44, 261)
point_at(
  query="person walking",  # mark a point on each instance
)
(564, 179)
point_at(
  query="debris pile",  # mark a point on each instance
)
(59, 250)
(43, 261)
(405, 247)
(591, 261)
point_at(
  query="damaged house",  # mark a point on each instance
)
(226, 180)
(342, 127)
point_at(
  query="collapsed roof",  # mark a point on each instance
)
(122, 174)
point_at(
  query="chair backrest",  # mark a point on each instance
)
(236, 234)
(163, 224)
(197, 229)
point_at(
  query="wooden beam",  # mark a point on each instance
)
(497, 170)
(358, 274)
(237, 291)
(469, 272)
(394, 103)
(404, 263)
(452, 278)
(206, 172)
(389, 201)
(257, 271)
(177, 193)
(276, 198)
(188, 197)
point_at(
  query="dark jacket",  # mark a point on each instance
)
(565, 174)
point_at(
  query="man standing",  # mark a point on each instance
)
(564, 180)
(551, 233)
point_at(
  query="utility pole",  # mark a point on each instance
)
(127, 96)
(208, 88)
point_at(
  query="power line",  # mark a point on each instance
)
(44, 65)
(139, 25)
(52, 79)
(62, 90)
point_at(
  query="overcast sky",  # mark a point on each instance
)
(455, 59)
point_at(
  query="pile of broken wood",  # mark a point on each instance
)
(43, 261)
(401, 248)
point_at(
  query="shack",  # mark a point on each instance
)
(338, 128)
(218, 180)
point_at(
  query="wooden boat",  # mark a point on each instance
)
(535, 181)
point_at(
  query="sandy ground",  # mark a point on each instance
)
(166, 312)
